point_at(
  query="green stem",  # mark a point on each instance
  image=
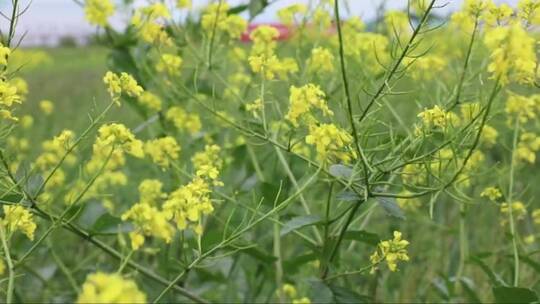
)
(349, 100)
(396, 65)
(279, 267)
(462, 243)
(11, 270)
(12, 23)
(213, 35)
(509, 202)
(125, 261)
(289, 172)
(465, 65)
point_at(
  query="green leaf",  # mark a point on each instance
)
(292, 265)
(505, 294)
(391, 207)
(299, 222)
(341, 171)
(109, 224)
(260, 255)
(319, 292)
(469, 287)
(494, 278)
(348, 196)
(237, 9)
(362, 236)
(345, 295)
(256, 7)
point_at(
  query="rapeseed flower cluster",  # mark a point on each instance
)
(436, 118)
(523, 108)
(189, 122)
(102, 287)
(19, 218)
(288, 15)
(371, 49)
(292, 294)
(113, 141)
(302, 100)
(215, 19)
(536, 216)
(321, 61)
(492, 193)
(529, 11)
(331, 142)
(148, 22)
(162, 150)
(426, 67)
(149, 221)
(46, 106)
(11, 91)
(186, 205)
(97, 12)
(263, 59)
(150, 101)
(169, 64)
(519, 211)
(121, 84)
(529, 144)
(512, 54)
(392, 251)
(54, 151)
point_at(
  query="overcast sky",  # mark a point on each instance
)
(64, 17)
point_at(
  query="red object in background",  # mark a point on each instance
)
(284, 31)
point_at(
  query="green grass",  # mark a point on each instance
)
(72, 81)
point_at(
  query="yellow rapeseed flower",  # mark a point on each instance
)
(162, 150)
(391, 251)
(149, 221)
(182, 120)
(321, 60)
(19, 218)
(46, 106)
(330, 141)
(169, 64)
(4, 54)
(121, 84)
(150, 101)
(109, 288)
(303, 99)
(512, 54)
(98, 11)
(492, 193)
